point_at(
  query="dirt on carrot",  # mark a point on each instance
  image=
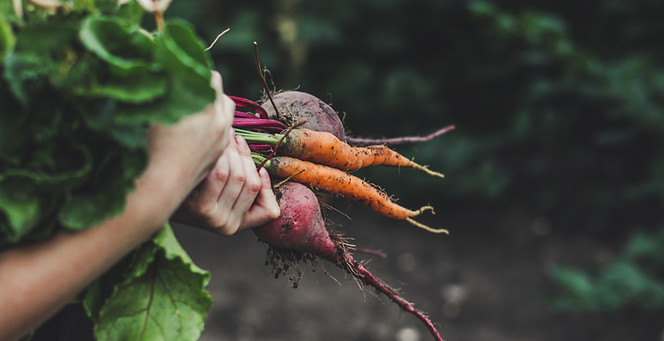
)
(326, 149)
(338, 182)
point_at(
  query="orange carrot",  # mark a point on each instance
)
(338, 182)
(326, 149)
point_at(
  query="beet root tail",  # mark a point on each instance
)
(362, 274)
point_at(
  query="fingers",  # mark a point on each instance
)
(239, 191)
(207, 193)
(216, 82)
(252, 184)
(234, 196)
(266, 197)
(224, 107)
(265, 208)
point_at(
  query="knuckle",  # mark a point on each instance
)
(207, 208)
(253, 186)
(220, 176)
(240, 178)
(219, 222)
(229, 229)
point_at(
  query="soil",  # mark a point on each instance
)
(487, 280)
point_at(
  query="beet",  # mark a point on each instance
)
(300, 225)
(301, 228)
(298, 106)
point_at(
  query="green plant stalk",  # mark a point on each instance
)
(260, 159)
(256, 137)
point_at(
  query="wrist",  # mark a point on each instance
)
(160, 190)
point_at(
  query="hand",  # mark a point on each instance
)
(233, 197)
(191, 146)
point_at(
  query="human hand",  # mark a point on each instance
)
(233, 197)
(182, 154)
(192, 145)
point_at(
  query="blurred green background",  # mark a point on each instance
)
(557, 107)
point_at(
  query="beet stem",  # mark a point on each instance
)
(250, 105)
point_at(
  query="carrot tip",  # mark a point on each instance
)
(424, 209)
(427, 170)
(434, 173)
(427, 228)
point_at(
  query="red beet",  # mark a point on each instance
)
(301, 227)
(296, 106)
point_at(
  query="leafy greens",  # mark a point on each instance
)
(80, 87)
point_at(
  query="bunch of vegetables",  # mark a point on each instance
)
(82, 82)
(299, 139)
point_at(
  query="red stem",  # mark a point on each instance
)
(361, 141)
(249, 104)
(256, 124)
(243, 114)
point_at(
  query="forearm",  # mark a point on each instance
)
(37, 280)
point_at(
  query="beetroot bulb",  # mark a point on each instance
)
(296, 106)
(301, 228)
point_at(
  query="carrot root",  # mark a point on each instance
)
(427, 170)
(422, 226)
(424, 209)
(427, 228)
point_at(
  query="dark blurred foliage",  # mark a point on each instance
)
(558, 105)
(633, 279)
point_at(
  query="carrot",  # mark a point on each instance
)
(338, 182)
(326, 149)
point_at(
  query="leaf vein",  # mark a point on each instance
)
(149, 306)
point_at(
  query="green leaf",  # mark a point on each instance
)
(176, 84)
(38, 62)
(182, 99)
(131, 75)
(96, 294)
(168, 242)
(182, 52)
(187, 63)
(101, 118)
(105, 194)
(21, 207)
(579, 286)
(55, 165)
(118, 42)
(24, 72)
(7, 38)
(141, 87)
(162, 298)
